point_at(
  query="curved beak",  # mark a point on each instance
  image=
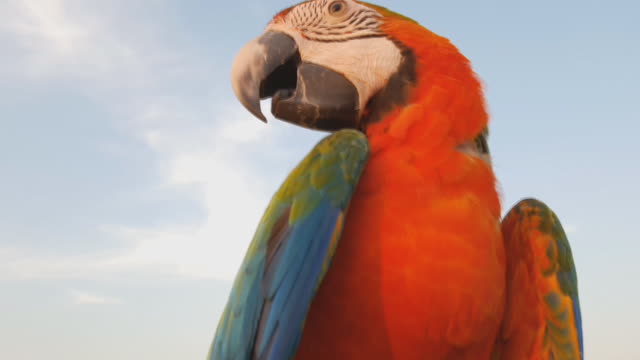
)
(303, 93)
(254, 63)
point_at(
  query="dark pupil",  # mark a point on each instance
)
(336, 7)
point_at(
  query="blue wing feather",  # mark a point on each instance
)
(287, 258)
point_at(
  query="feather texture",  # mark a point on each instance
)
(424, 269)
(290, 253)
(542, 318)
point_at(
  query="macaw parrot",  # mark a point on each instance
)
(386, 241)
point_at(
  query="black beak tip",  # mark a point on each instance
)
(261, 117)
(255, 111)
(252, 103)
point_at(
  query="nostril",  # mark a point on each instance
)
(284, 77)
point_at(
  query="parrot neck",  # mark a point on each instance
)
(436, 96)
(442, 118)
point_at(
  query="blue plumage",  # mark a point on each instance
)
(286, 260)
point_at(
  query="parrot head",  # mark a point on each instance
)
(323, 63)
(336, 64)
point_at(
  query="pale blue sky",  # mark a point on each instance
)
(132, 180)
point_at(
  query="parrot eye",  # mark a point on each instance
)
(337, 8)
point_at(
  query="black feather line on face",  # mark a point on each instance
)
(356, 37)
(312, 20)
(396, 92)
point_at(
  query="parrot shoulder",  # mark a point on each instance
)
(290, 253)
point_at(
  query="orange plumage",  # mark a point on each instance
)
(424, 268)
(421, 265)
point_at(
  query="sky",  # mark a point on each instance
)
(131, 180)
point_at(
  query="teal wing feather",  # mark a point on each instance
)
(542, 318)
(290, 253)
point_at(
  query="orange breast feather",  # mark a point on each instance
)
(420, 269)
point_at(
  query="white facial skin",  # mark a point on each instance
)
(343, 36)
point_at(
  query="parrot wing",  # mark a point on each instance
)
(290, 253)
(542, 318)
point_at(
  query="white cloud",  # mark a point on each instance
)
(21, 264)
(47, 20)
(86, 298)
(107, 52)
(52, 41)
(214, 164)
(205, 149)
(210, 164)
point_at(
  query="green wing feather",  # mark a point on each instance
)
(290, 253)
(542, 318)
